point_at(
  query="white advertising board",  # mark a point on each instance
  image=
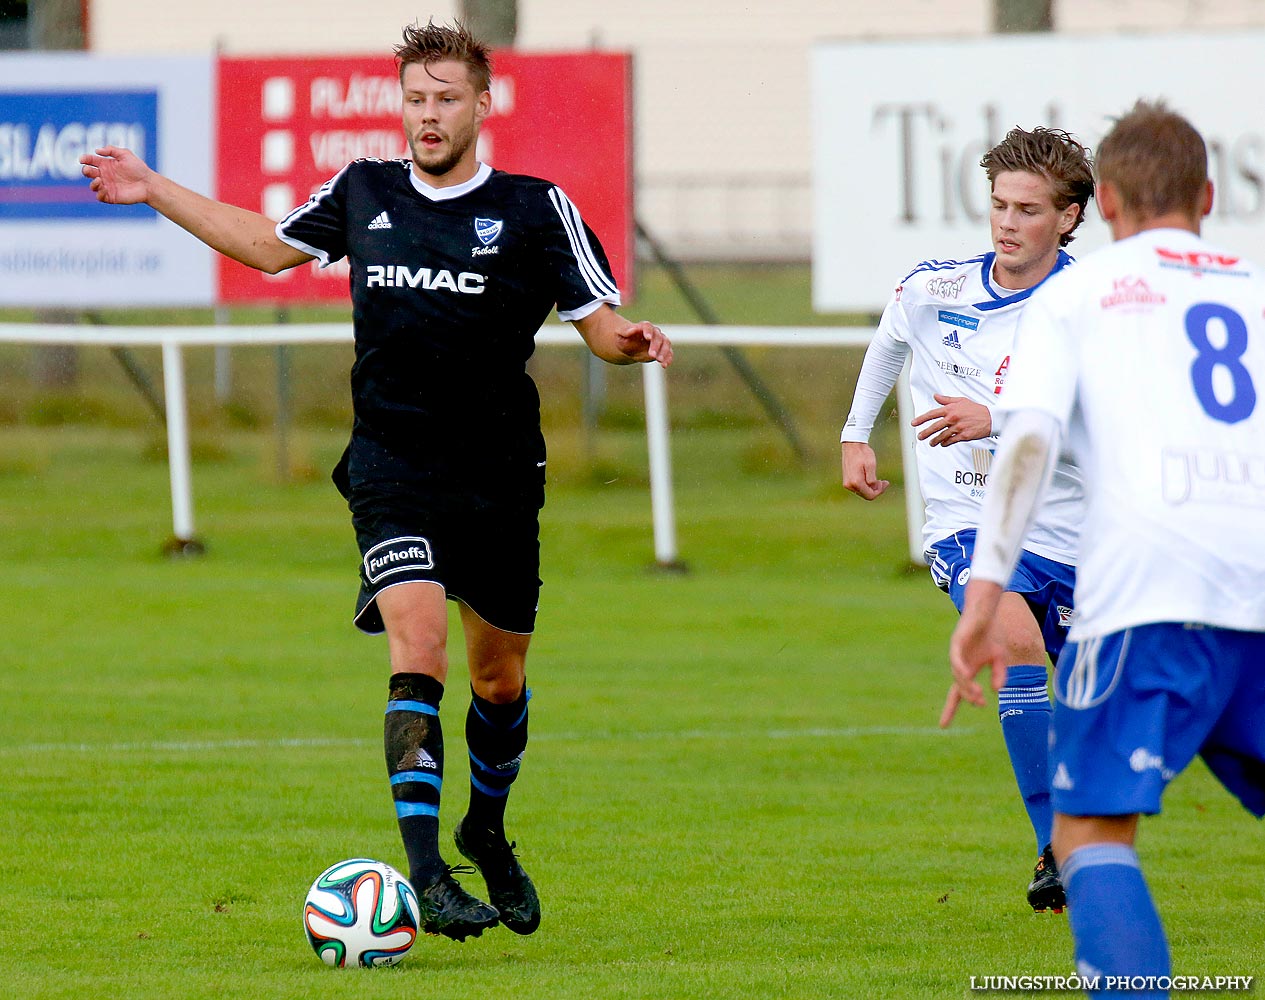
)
(899, 129)
(58, 245)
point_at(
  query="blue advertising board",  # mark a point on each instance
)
(42, 136)
(58, 244)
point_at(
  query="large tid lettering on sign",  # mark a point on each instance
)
(896, 171)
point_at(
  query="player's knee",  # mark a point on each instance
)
(499, 681)
(1023, 646)
(418, 651)
(1072, 832)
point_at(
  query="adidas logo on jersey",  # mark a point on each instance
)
(383, 221)
(951, 340)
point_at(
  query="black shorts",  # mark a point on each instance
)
(488, 558)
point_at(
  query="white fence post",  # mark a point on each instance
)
(173, 339)
(655, 384)
(178, 459)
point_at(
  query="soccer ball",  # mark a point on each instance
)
(360, 912)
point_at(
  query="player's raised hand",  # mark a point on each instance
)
(956, 419)
(860, 471)
(644, 342)
(119, 176)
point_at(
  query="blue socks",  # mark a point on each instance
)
(413, 741)
(414, 745)
(496, 736)
(1114, 921)
(1024, 708)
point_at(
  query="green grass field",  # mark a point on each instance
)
(735, 786)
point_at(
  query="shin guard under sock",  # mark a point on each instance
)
(414, 745)
(496, 736)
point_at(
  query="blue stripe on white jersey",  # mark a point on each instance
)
(601, 284)
(941, 265)
(1000, 301)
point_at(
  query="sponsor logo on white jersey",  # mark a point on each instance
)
(399, 276)
(999, 377)
(383, 221)
(958, 370)
(946, 288)
(982, 463)
(955, 322)
(1206, 476)
(1199, 260)
(1131, 291)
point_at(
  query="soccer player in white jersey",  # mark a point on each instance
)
(955, 320)
(454, 267)
(1148, 360)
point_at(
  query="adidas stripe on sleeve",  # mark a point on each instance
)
(319, 227)
(588, 282)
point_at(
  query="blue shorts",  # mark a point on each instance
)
(1045, 584)
(1133, 708)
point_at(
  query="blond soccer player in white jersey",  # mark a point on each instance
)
(955, 321)
(1148, 360)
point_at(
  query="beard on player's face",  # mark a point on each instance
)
(441, 161)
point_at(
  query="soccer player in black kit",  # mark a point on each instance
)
(454, 267)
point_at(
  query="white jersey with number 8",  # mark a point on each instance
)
(1151, 354)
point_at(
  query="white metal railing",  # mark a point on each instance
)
(173, 340)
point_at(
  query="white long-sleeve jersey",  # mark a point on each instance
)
(959, 329)
(1150, 355)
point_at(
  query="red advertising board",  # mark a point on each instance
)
(287, 125)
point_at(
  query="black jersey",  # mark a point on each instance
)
(448, 289)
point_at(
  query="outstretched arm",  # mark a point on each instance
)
(622, 342)
(120, 177)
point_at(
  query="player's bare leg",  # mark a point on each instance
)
(416, 618)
